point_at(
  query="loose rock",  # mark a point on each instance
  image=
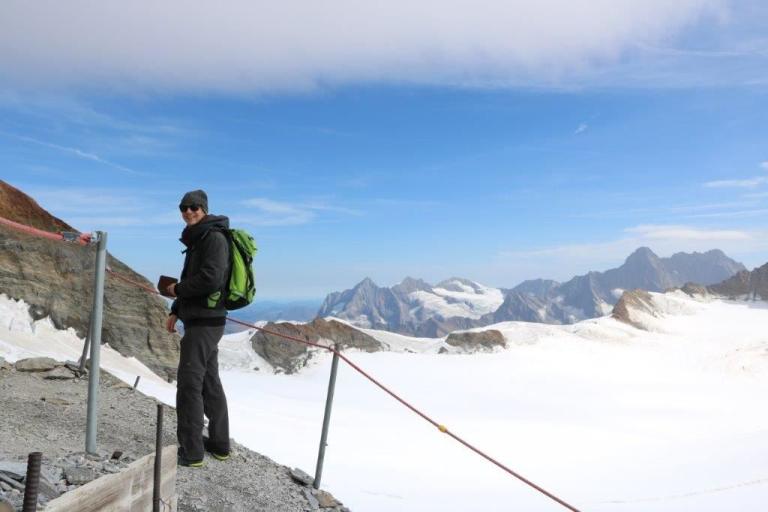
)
(327, 500)
(79, 475)
(313, 503)
(36, 364)
(301, 477)
(59, 373)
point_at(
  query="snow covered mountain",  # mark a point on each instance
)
(414, 306)
(417, 308)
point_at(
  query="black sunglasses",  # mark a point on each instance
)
(185, 207)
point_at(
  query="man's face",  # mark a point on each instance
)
(192, 214)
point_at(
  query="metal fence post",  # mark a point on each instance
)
(156, 499)
(94, 335)
(326, 418)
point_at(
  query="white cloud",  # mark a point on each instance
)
(276, 213)
(748, 183)
(764, 165)
(564, 261)
(85, 155)
(661, 232)
(581, 128)
(246, 45)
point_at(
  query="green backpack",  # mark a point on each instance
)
(241, 286)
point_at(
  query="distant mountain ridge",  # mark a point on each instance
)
(414, 307)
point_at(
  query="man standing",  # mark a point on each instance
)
(199, 305)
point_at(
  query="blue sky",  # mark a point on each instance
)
(467, 152)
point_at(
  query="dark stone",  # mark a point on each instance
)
(38, 312)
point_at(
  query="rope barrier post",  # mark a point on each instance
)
(326, 418)
(32, 482)
(95, 336)
(158, 460)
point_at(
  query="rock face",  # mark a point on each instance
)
(694, 290)
(745, 285)
(417, 308)
(630, 305)
(56, 280)
(290, 356)
(477, 341)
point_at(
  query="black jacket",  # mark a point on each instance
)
(206, 270)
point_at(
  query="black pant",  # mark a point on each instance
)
(199, 391)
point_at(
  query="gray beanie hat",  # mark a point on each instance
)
(196, 197)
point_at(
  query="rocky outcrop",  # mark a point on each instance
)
(694, 290)
(477, 340)
(290, 356)
(632, 306)
(56, 280)
(744, 285)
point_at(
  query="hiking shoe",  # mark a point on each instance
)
(216, 454)
(183, 461)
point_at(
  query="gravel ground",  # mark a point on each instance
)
(49, 416)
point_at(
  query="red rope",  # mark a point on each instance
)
(82, 239)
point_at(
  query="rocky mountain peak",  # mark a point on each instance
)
(411, 284)
(642, 255)
(17, 206)
(366, 283)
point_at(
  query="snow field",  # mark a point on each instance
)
(606, 416)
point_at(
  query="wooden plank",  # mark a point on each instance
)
(131, 490)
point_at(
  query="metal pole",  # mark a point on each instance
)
(86, 344)
(32, 482)
(326, 419)
(158, 460)
(95, 335)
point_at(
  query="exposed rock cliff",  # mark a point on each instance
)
(632, 306)
(56, 279)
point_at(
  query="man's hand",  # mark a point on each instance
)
(171, 290)
(170, 323)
